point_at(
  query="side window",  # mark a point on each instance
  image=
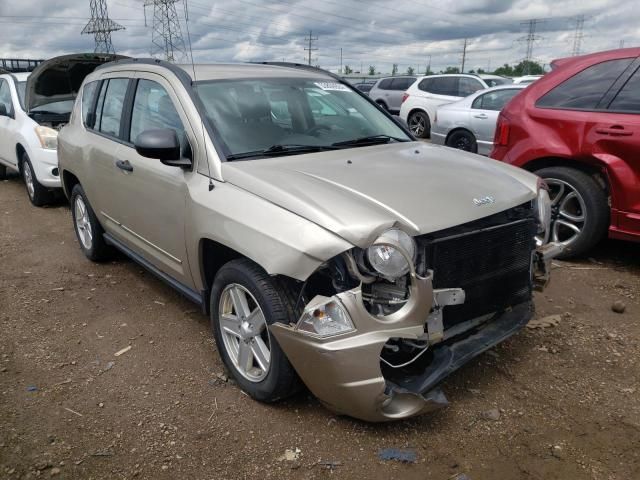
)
(400, 84)
(628, 99)
(153, 108)
(468, 86)
(88, 96)
(585, 89)
(385, 84)
(426, 85)
(5, 96)
(494, 100)
(112, 105)
(445, 86)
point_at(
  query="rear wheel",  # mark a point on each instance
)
(245, 300)
(463, 140)
(579, 209)
(419, 124)
(88, 230)
(383, 105)
(38, 194)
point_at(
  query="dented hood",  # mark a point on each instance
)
(358, 193)
(60, 78)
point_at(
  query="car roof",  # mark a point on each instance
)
(597, 57)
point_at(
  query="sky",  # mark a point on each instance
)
(410, 33)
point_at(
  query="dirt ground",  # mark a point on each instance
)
(566, 395)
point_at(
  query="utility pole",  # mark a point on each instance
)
(166, 38)
(428, 65)
(578, 36)
(621, 43)
(530, 39)
(311, 48)
(464, 55)
(340, 60)
(101, 26)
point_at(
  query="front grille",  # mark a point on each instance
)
(490, 259)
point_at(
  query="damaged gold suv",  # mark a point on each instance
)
(327, 246)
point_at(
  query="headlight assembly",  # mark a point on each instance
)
(543, 208)
(48, 137)
(387, 260)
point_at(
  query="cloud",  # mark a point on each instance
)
(367, 32)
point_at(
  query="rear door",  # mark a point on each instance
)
(440, 90)
(484, 115)
(398, 87)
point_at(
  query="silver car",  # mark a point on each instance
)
(388, 92)
(470, 123)
(325, 244)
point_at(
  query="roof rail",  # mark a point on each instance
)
(182, 75)
(301, 66)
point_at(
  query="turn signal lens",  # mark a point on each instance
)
(325, 317)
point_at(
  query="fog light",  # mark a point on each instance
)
(55, 172)
(325, 317)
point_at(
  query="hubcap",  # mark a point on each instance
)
(463, 143)
(83, 225)
(28, 179)
(244, 332)
(417, 124)
(568, 212)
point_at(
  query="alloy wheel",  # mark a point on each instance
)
(28, 179)
(568, 212)
(417, 124)
(83, 223)
(244, 332)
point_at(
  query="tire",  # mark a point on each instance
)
(587, 200)
(39, 195)
(3, 172)
(277, 303)
(84, 220)
(419, 124)
(463, 140)
(382, 105)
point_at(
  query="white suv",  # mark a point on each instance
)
(421, 100)
(33, 107)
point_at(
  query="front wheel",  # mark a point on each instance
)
(88, 230)
(245, 300)
(419, 124)
(463, 140)
(38, 194)
(579, 209)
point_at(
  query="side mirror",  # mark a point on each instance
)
(161, 144)
(3, 110)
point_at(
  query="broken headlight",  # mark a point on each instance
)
(325, 317)
(388, 261)
(543, 210)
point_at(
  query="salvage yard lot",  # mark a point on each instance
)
(566, 395)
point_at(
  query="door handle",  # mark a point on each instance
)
(481, 115)
(614, 131)
(124, 165)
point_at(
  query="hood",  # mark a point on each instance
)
(59, 78)
(358, 193)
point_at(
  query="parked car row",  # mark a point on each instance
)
(326, 244)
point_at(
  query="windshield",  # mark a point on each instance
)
(494, 82)
(254, 115)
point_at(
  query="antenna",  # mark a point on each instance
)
(101, 26)
(578, 36)
(311, 48)
(167, 38)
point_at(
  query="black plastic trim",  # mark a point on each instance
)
(196, 297)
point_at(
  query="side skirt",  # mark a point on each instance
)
(196, 297)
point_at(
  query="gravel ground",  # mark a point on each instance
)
(557, 402)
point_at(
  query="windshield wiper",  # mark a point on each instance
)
(281, 149)
(370, 140)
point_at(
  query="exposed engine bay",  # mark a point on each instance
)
(51, 120)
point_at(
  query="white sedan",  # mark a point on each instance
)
(470, 123)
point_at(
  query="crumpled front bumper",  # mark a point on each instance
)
(344, 371)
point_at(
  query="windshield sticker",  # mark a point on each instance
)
(332, 86)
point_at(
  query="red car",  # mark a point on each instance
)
(578, 127)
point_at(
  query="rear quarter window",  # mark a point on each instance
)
(628, 98)
(585, 89)
(385, 84)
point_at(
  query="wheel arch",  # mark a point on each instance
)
(419, 109)
(20, 151)
(459, 129)
(598, 170)
(69, 180)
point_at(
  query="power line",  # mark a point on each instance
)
(311, 48)
(101, 26)
(578, 35)
(166, 38)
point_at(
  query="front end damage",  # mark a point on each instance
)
(467, 289)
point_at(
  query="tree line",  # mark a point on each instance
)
(525, 67)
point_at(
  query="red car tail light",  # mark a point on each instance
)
(501, 137)
(404, 97)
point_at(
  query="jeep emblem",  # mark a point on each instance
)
(483, 201)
